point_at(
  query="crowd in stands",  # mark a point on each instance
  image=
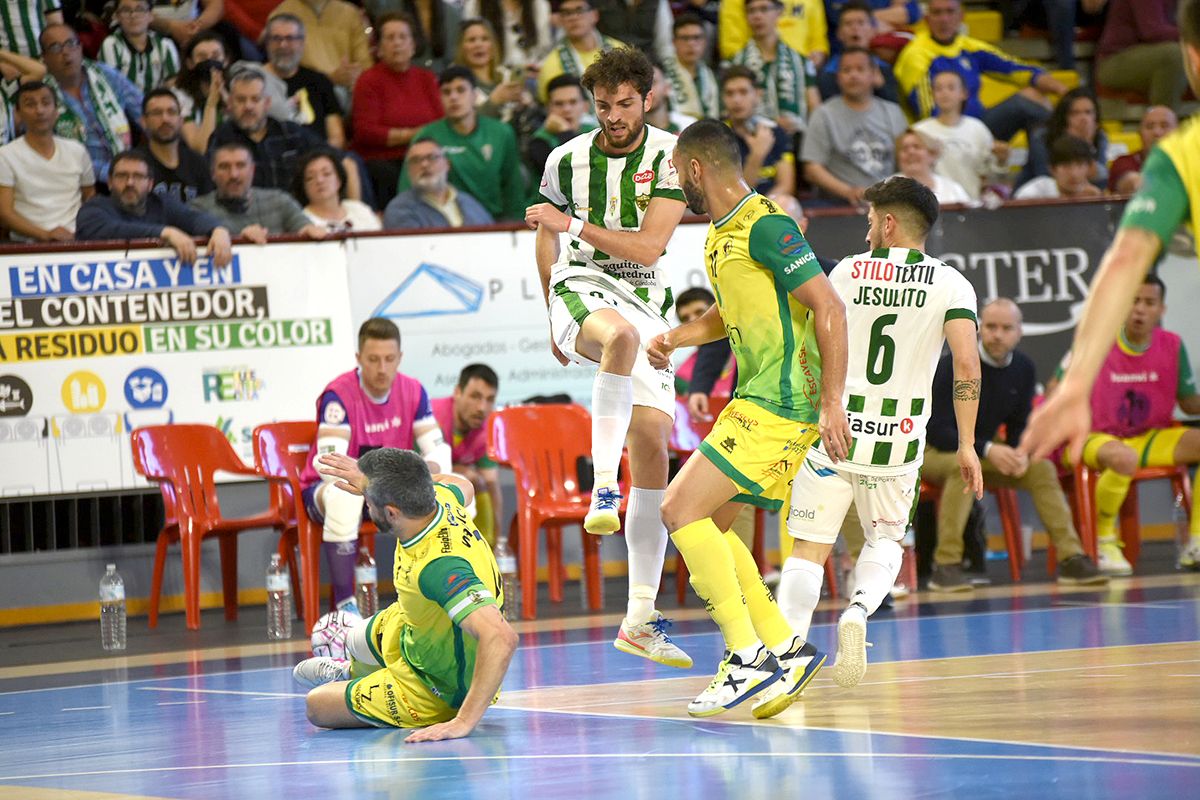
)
(326, 117)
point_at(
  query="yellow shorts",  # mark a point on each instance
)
(392, 695)
(1154, 448)
(759, 451)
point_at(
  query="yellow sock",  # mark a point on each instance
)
(769, 623)
(1111, 489)
(485, 518)
(714, 578)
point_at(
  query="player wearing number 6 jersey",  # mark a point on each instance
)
(616, 194)
(900, 303)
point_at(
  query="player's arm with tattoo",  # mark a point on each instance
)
(964, 350)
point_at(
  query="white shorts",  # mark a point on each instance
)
(821, 497)
(573, 298)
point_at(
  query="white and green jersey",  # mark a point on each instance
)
(146, 69)
(897, 303)
(612, 192)
(21, 21)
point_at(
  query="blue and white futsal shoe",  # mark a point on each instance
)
(736, 682)
(603, 515)
(800, 664)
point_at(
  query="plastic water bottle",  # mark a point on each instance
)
(112, 610)
(365, 579)
(1183, 526)
(507, 563)
(279, 600)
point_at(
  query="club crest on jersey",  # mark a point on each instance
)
(642, 201)
(644, 177)
(791, 243)
(612, 206)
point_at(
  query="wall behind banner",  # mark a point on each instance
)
(476, 297)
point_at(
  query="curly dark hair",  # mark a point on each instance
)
(618, 66)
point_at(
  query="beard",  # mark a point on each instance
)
(694, 196)
(633, 131)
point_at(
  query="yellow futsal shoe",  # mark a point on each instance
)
(603, 513)
(800, 664)
(650, 640)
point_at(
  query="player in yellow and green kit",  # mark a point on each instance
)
(770, 291)
(435, 658)
(1170, 196)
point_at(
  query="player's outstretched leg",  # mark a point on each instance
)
(644, 630)
(874, 574)
(320, 670)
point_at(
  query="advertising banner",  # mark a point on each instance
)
(95, 344)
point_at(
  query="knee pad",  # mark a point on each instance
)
(887, 553)
(343, 513)
(356, 643)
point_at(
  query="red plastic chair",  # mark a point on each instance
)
(281, 450)
(1010, 521)
(1083, 499)
(184, 460)
(543, 444)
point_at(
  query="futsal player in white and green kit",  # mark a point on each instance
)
(614, 191)
(900, 305)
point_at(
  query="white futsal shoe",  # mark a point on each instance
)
(603, 515)
(650, 640)
(320, 670)
(800, 664)
(851, 662)
(736, 682)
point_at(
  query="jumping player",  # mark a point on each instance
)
(616, 194)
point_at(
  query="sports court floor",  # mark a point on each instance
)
(1018, 692)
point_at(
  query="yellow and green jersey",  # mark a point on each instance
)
(442, 575)
(755, 257)
(1171, 173)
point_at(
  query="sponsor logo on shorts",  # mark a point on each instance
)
(888, 523)
(779, 468)
(728, 444)
(744, 422)
(801, 513)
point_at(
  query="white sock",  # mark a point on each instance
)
(646, 538)
(875, 573)
(612, 407)
(799, 593)
(748, 655)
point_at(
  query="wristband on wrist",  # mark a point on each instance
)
(575, 227)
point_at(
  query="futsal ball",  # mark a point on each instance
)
(330, 632)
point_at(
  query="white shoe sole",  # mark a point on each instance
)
(852, 652)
